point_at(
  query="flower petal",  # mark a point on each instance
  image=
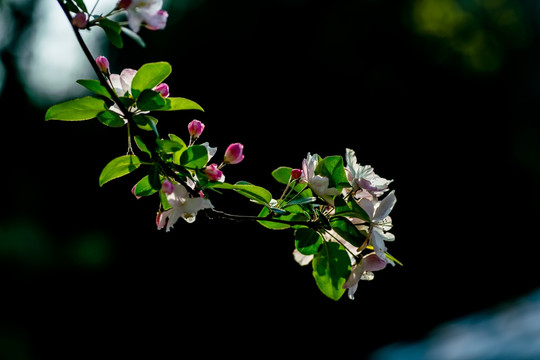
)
(385, 206)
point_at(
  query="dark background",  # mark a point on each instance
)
(440, 96)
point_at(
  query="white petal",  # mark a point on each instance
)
(211, 151)
(368, 207)
(354, 277)
(377, 241)
(126, 78)
(352, 290)
(192, 205)
(385, 206)
(134, 19)
(301, 258)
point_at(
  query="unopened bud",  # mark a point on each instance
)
(103, 64)
(163, 89)
(296, 174)
(79, 20)
(123, 4)
(167, 187)
(195, 128)
(213, 172)
(234, 154)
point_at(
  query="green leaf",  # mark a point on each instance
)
(195, 156)
(177, 154)
(150, 100)
(81, 5)
(253, 192)
(347, 230)
(143, 187)
(154, 177)
(142, 146)
(112, 30)
(146, 122)
(279, 226)
(77, 109)
(118, 167)
(331, 268)
(169, 146)
(134, 36)
(95, 87)
(332, 168)
(148, 76)
(307, 241)
(301, 201)
(178, 103)
(282, 174)
(110, 118)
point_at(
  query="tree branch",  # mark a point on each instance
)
(226, 216)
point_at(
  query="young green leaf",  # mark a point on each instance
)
(347, 230)
(253, 192)
(150, 100)
(95, 86)
(169, 146)
(148, 76)
(81, 5)
(146, 122)
(280, 226)
(331, 268)
(195, 156)
(118, 167)
(112, 30)
(178, 103)
(134, 36)
(142, 146)
(301, 201)
(282, 174)
(332, 168)
(76, 110)
(143, 187)
(349, 209)
(110, 118)
(307, 241)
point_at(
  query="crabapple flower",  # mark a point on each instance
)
(378, 212)
(213, 173)
(363, 177)
(234, 154)
(363, 271)
(195, 128)
(163, 89)
(144, 12)
(122, 83)
(182, 206)
(103, 64)
(317, 183)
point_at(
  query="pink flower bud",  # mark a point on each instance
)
(213, 172)
(79, 20)
(195, 128)
(233, 154)
(167, 187)
(103, 64)
(163, 89)
(123, 4)
(296, 174)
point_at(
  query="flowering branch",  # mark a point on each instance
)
(337, 208)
